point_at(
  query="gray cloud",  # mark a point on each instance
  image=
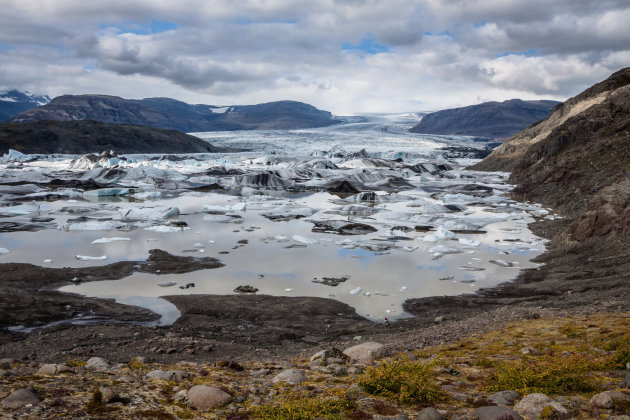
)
(436, 53)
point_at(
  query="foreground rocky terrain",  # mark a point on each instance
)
(489, 119)
(176, 115)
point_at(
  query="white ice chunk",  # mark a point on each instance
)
(167, 284)
(105, 240)
(4, 251)
(14, 156)
(149, 213)
(93, 225)
(24, 209)
(469, 242)
(439, 235)
(106, 192)
(288, 289)
(304, 240)
(166, 229)
(224, 209)
(443, 249)
(355, 291)
(47, 261)
(88, 258)
(148, 195)
(408, 248)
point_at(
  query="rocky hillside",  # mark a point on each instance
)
(489, 119)
(78, 137)
(171, 114)
(14, 101)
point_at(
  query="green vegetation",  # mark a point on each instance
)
(294, 406)
(407, 382)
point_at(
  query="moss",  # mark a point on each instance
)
(544, 374)
(137, 366)
(407, 382)
(78, 362)
(296, 407)
(155, 414)
(96, 405)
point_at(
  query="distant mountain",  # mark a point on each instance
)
(78, 137)
(489, 119)
(13, 102)
(172, 114)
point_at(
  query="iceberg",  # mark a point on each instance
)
(224, 209)
(469, 242)
(304, 240)
(4, 251)
(149, 213)
(441, 234)
(107, 192)
(166, 229)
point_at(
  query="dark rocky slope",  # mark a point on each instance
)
(14, 102)
(489, 119)
(577, 161)
(77, 137)
(171, 114)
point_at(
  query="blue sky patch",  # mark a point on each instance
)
(155, 27)
(368, 45)
(5, 47)
(529, 53)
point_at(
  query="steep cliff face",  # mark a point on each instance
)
(176, 115)
(489, 119)
(577, 160)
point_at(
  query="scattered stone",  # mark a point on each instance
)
(429, 413)
(366, 352)
(610, 399)
(109, 395)
(98, 363)
(290, 376)
(52, 369)
(246, 289)
(171, 375)
(21, 398)
(260, 372)
(626, 382)
(530, 351)
(331, 281)
(504, 397)
(181, 396)
(494, 413)
(533, 405)
(203, 397)
(5, 363)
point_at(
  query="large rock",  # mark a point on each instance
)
(366, 353)
(504, 397)
(494, 413)
(21, 398)
(609, 399)
(98, 363)
(533, 404)
(203, 397)
(429, 413)
(170, 375)
(290, 376)
(52, 369)
(626, 382)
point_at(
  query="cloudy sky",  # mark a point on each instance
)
(345, 56)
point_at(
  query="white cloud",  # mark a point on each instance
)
(431, 54)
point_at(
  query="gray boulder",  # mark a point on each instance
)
(52, 369)
(504, 398)
(367, 352)
(429, 413)
(533, 404)
(609, 399)
(170, 375)
(21, 398)
(98, 363)
(290, 376)
(495, 412)
(203, 397)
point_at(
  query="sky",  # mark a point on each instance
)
(344, 56)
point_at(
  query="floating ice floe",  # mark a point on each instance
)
(24, 209)
(501, 263)
(93, 225)
(105, 240)
(167, 284)
(47, 261)
(166, 229)
(88, 258)
(14, 156)
(445, 249)
(220, 218)
(107, 192)
(304, 240)
(149, 213)
(469, 242)
(284, 213)
(439, 235)
(148, 195)
(408, 248)
(208, 208)
(4, 251)
(288, 289)
(355, 291)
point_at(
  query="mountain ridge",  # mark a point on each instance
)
(169, 113)
(488, 119)
(13, 102)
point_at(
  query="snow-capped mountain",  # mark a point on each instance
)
(14, 102)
